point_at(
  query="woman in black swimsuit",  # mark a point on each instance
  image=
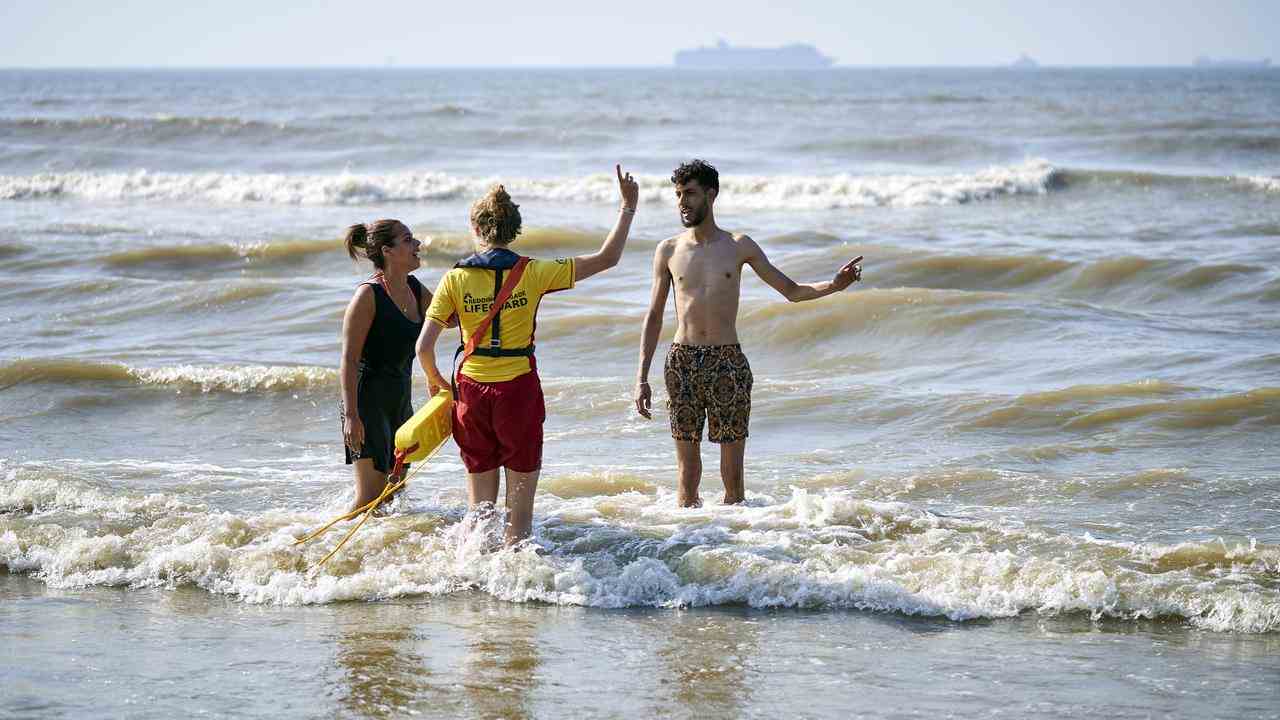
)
(379, 330)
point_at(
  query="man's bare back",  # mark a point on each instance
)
(707, 376)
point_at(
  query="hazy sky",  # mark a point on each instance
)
(82, 33)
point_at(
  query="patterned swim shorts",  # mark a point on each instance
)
(712, 381)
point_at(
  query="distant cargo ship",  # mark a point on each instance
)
(723, 56)
(1209, 62)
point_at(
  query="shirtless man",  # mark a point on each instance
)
(706, 373)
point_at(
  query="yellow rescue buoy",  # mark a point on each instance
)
(416, 440)
(427, 430)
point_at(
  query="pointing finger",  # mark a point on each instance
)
(618, 168)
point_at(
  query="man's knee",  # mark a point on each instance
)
(688, 454)
(732, 453)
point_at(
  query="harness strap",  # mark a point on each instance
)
(502, 291)
(495, 339)
(504, 352)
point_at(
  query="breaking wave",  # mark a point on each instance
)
(209, 379)
(1033, 177)
(1036, 177)
(820, 550)
(1266, 184)
(1136, 277)
(891, 312)
(184, 256)
(1094, 407)
(1146, 179)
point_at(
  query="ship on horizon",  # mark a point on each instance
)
(723, 56)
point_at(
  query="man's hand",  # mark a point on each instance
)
(644, 400)
(849, 274)
(628, 188)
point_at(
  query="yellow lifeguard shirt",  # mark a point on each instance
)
(469, 293)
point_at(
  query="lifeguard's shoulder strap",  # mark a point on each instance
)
(501, 293)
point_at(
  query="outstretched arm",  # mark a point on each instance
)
(584, 266)
(652, 327)
(793, 291)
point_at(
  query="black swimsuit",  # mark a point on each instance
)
(385, 377)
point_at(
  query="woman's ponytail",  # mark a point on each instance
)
(357, 237)
(372, 239)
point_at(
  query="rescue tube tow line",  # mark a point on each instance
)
(416, 442)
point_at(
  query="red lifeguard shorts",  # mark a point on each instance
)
(500, 424)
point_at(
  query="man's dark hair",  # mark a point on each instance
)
(700, 170)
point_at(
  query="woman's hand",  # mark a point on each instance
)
(628, 188)
(353, 431)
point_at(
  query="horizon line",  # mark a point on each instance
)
(397, 66)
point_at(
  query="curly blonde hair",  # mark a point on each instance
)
(495, 218)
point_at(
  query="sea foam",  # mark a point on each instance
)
(1267, 184)
(809, 550)
(836, 191)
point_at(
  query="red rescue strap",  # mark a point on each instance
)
(504, 293)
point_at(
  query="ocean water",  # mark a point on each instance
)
(1029, 467)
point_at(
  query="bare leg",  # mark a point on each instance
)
(732, 456)
(689, 461)
(521, 487)
(475, 529)
(369, 482)
(482, 488)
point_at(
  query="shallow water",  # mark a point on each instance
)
(1046, 428)
(477, 656)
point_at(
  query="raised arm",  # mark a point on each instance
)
(793, 291)
(355, 329)
(584, 266)
(653, 326)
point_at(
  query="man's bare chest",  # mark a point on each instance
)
(706, 270)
